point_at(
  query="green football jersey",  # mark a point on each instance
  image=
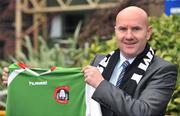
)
(38, 92)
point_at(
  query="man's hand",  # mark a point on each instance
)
(5, 75)
(92, 76)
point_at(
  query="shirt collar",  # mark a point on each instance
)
(123, 58)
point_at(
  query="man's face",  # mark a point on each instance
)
(132, 33)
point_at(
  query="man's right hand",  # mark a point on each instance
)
(5, 74)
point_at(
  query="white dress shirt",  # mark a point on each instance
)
(118, 68)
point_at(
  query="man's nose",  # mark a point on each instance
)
(129, 34)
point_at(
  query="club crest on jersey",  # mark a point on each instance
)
(61, 94)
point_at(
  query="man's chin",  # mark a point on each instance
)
(130, 53)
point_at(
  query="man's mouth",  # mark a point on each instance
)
(130, 43)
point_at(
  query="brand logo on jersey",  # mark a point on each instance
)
(61, 94)
(37, 83)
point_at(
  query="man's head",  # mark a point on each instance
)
(132, 31)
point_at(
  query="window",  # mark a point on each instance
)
(70, 23)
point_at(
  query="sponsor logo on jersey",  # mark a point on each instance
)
(61, 94)
(38, 83)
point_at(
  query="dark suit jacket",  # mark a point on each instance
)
(150, 97)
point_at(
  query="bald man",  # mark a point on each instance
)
(131, 80)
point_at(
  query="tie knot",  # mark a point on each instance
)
(125, 64)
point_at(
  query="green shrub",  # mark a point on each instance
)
(45, 56)
(174, 104)
(54, 55)
(166, 41)
(166, 38)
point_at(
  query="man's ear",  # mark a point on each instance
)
(115, 27)
(149, 32)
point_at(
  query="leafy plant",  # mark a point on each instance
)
(174, 104)
(98, 46)
(54, 55)
(166, 42)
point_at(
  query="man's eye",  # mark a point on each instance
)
(136, 28)
(122, 29)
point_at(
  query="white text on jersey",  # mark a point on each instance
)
(37, 83)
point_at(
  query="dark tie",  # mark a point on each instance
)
(124, 66)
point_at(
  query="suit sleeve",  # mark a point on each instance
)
(150, 102)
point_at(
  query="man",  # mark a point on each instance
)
(148, 81)
(130, 81)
